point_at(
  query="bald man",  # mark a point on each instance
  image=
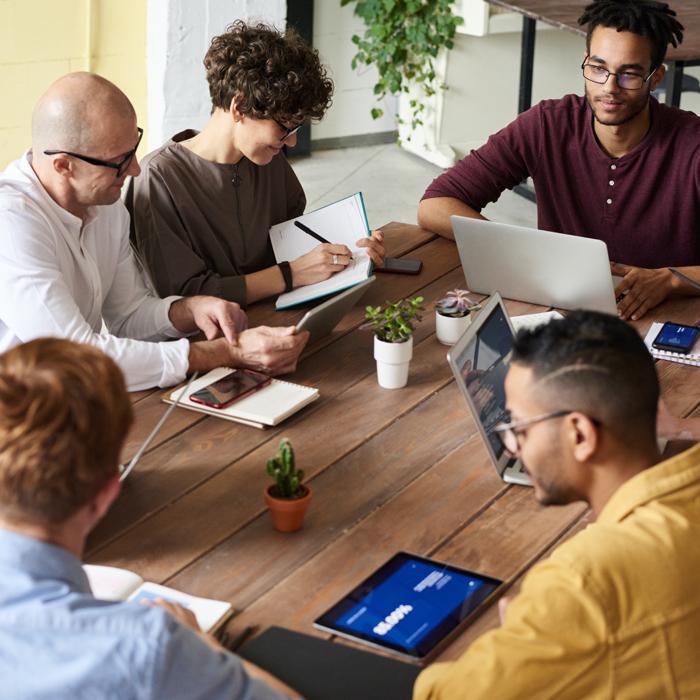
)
(65, 261)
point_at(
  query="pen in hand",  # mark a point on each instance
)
(311, 233)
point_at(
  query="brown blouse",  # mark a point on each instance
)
(199, 226)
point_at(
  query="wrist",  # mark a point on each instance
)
(287, 273)
(673, 283)
(180, 315)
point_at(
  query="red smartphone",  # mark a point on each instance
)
(230, 388)
(402, 266)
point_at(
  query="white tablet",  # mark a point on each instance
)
(322, 319)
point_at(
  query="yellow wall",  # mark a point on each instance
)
(41, 40)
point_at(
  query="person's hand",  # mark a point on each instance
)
(184, 617)
(375, 247)
(269, 350)
(503, 604)
(181, 614)
(320, 264)
(213, 316)
(643, 289)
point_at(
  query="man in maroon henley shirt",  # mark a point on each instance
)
(615, 165)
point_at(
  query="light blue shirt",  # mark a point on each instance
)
(57, 641)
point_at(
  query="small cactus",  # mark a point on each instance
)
(281, 469)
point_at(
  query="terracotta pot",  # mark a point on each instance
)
(288, 513)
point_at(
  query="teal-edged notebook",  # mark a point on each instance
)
(344, 222)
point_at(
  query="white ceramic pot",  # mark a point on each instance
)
(393, 360)
(449, 328)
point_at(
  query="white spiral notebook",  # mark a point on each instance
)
(691, 358)
(268, 406)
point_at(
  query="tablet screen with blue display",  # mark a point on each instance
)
(409, 605)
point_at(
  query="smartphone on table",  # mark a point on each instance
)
(231, 387)
(676, 337)
(402, 266)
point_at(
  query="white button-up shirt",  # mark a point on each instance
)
(61, 276)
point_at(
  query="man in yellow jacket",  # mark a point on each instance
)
(614, 612)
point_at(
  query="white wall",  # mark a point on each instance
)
(179, 33)
(353, 97)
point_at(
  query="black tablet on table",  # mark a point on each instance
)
(410, 606)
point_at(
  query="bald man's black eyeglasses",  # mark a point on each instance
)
(121, 166)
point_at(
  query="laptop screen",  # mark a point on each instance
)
(483, 365)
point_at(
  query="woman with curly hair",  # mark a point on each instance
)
(203, 205)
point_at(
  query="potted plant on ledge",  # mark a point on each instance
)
(453, 315)
(393, 339)
(287, 499)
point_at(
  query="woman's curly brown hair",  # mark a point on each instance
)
(271, 75)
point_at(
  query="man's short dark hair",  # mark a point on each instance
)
(654, 20)
(597, 364)
(272, 75)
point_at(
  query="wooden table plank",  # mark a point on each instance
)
(347, 362)
(359, 484)
(421, 516)
(390, 470)
(172, 537)
(400, 238)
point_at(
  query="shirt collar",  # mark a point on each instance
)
(70, 220)
(649, 137)
(41, 560)
(664, 478)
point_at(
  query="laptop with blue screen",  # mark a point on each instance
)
(479, 361)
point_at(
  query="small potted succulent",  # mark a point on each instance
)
(393, 327)
(287, 499)
(453, 315)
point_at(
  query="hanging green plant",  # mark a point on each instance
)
(402, 39)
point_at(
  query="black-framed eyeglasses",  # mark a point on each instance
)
(120, 166)
(286, 131)
(627, 81)
(508, 432)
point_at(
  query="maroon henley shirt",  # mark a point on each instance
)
(645, 205)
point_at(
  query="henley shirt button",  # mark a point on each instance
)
(613, 167)
(609, 201)
(611, 183)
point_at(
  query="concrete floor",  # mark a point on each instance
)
(392, 182)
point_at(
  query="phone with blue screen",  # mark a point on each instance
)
(676, 337)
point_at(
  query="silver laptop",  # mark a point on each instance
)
(479, 361)
(540, 267)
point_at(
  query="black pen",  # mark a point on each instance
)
(311, 233)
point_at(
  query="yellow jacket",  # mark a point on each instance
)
(613, 613)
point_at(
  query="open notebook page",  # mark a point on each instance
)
(343, 222)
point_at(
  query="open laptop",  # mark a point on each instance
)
(540, 267)
(479, 361)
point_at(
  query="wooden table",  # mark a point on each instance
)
(389, 470)
(564, 15)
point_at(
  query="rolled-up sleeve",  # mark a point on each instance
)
(508, 157)
(36, 301)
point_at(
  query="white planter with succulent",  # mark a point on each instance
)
(393, 339)
(453, 315)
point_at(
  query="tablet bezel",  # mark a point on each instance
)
(328, 310)
(438, 637)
